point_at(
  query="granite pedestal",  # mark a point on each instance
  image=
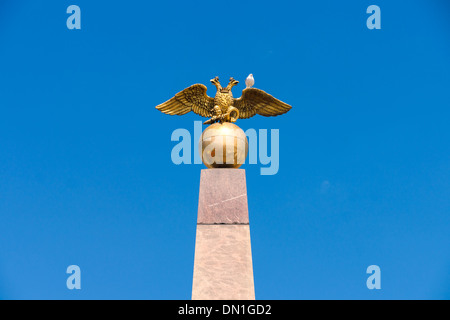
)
(223, 261)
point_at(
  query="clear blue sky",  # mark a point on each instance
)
(86, 176)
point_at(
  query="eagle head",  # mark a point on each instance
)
(230, 85)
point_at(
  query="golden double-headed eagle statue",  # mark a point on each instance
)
(223, 107)
(223, 144)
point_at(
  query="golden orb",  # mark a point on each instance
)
(223, 145)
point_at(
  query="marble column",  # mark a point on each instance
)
(223, 260)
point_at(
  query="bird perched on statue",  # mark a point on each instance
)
(223, 107)
(249, 82)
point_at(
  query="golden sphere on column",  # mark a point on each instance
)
(223, 145)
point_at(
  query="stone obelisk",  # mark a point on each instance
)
(223, 260)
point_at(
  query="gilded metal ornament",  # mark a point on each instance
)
(223, 144)
(223, 107)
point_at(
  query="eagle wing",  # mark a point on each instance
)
(255, 101)
(193, 98)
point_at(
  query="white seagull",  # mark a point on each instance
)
(249, 82)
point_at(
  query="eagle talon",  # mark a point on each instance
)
(219, 118)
